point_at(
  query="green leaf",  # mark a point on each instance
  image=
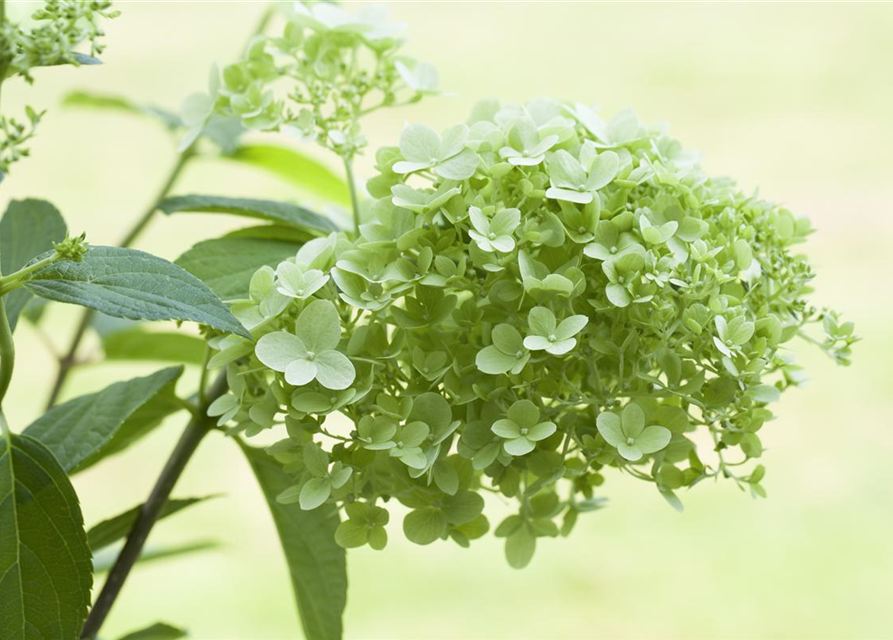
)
(45, 570)
(127, 283)
(161, 346)
(227, 264)
(304, 172)
(107, 102)
(158, 631)
(82, 431)
(110, 531)
(280, 212)
(316, 563)
(105, 559)
(28, 229)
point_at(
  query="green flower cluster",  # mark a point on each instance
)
(326, 70)
(538, 297)
(57, 30)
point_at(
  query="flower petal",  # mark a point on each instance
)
(633, 420)
(300, 372)
(608, 424)
(506, 429)
(319, 326)
(519, 446)
(334, 370)
(541, 431)
(279, 349)
(653, 438)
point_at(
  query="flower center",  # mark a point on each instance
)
(552, 337)
(519, 353)
(613, 250)
(523, 431)
(491, 235)
(310, 355)
(630, 441)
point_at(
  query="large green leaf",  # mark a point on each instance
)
(132, 284)
(304, 172)
(28, 229)
(318, 566)
(280, 232)
(82, 431)
(158, 631)
(153, 346)
(114, 529)
(45, 569)
(227, 264)
(281, 212)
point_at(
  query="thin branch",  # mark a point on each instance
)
(354, 201)
(199, 426)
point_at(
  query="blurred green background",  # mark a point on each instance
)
(795, 98)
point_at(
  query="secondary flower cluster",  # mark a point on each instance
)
(328, 69)
(537, 297)
(59, 28)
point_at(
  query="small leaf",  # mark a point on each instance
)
(89, 100)
(316, 563)
(110, 531)
(127, 283)
(45, 570)
(82, 431)
(281, 212)
(158, 631)
(105, 559)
